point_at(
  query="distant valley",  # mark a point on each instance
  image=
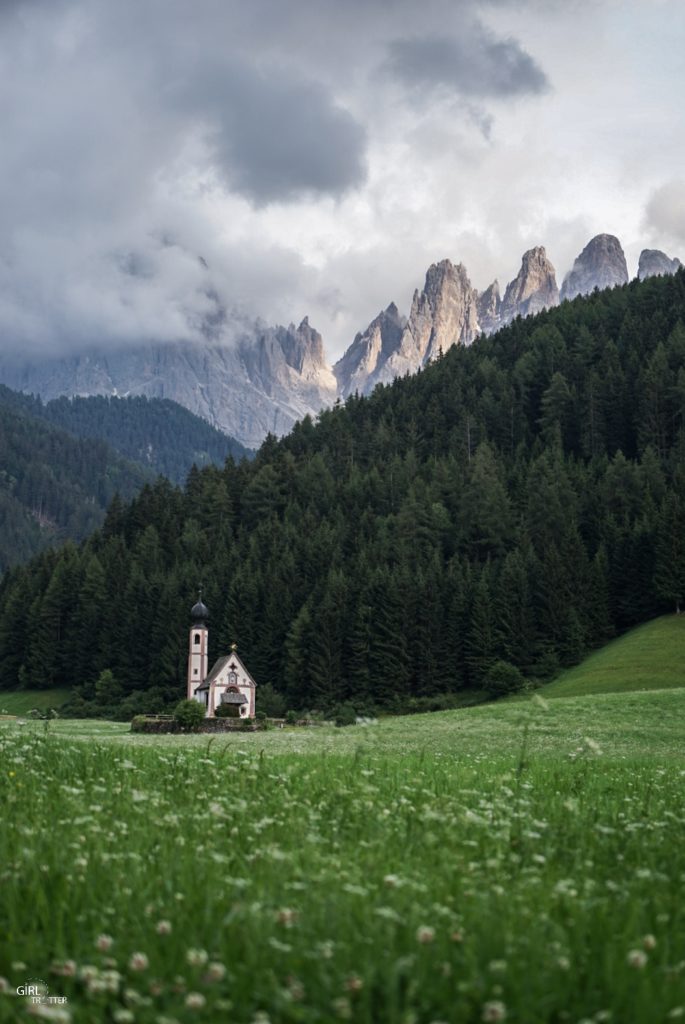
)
(62, 463)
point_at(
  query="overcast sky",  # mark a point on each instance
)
(294, 157)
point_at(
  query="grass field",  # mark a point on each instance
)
(515, 862)
(20, 702)
(650, 657)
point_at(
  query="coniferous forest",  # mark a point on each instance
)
(519, 501)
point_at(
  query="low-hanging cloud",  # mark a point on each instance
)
(474, 63)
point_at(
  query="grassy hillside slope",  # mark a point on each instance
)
(650, 657)
(23, 701)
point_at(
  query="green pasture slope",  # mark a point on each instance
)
(20, 702)
(650, 657)
(521, 861)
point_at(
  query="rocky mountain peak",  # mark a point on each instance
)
(533, 289)
(489, 307)
(655, 263)
(303, 347)
(359, 368)
(445, 313)
(601, 264)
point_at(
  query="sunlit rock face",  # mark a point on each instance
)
(533, 289)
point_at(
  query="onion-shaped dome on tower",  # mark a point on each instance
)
(199, 613)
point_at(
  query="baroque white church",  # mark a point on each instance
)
(229, 682)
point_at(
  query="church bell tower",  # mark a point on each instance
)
(197, 647)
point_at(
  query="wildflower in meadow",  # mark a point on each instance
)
(197, 957)
(342, 1008)
(195, 1000)
(497, 966)
(215, 971)
(286, 917)
(637, 958)
(111, 980)
(425, 934)
(494, 1011)
(138, 962)
(104, 943)
(44, 1011)
(649, 942)
(123, 1016)
(163, 927)
(392, 881)
(64, 968)
(354, 983)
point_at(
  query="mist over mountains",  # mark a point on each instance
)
(265, 379)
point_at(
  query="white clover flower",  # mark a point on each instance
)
(197, 957)
(104, 943)
(138, 962)
(497, 966)
(342, 1008)
(65, 968)
(494, 1011)
(286, 916)
(649, 942)
(637, 958)
(57, 1014)
(215, 971)
(163, 928)
(425, 934)
(123, 1016)
(195, 1000)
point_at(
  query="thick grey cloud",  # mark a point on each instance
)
(274, 134)
(473, 63)
(313, 168)
(665, 212)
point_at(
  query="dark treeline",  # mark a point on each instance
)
(53, 486)
(158, 433)
(519, 501)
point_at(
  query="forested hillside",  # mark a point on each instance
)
(53, 486)
(520, 500)
(160, 434)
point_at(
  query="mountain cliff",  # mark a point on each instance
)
(367, 355)
(601, 264)
(654, 263)
(533, 289)
(262, 383)
(443, 314)
(267, 378)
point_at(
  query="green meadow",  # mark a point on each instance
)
(521, 861)
(652, 656)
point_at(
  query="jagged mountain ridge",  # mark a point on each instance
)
(262, 383)
(449, 311)
(269, 377)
